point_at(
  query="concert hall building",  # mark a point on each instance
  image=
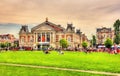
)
(49, 34)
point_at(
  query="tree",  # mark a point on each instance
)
(117, 30)
(117, 39)
(117, 26)
(8, 44)
(3, 45)
(93, 41)
(84, 45)
(108, 43)
(0, 46)
(63, 43)
(15, 45)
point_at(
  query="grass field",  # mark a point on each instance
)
(78, 60)
(23, 71)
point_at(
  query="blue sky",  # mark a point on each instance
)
(12, 28)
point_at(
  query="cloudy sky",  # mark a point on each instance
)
(84, 14)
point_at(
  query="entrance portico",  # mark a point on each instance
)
(40, 45)
(43, 39)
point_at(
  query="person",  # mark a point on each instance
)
(115, 49)
(45, 50)
(75, 48)
(60, 50)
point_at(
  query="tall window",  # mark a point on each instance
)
(22, 40)
(69, 39)
(31, 39)
(39, 37)
(48, 37)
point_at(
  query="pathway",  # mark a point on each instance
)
(66, 69)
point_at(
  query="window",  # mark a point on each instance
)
(31, 39)
(48, 37)
(22, 40)
(69, 39)
(39, 37)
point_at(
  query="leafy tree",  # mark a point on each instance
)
(91, 43)
(117, 30)
(108, 43)
(94, 40)
(63, 43)
(0, 45)
(15, 45)
(8, 44)
(117, 26)
(117, 39)
(3, 45)
(84, 44)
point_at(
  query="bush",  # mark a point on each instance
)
(84, 44)
(108, 43)
(63, 43)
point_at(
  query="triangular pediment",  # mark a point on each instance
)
(47, 26)
(44, 27)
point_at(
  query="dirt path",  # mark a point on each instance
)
(66, 69)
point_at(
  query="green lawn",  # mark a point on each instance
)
(24, 71)
(78, 60)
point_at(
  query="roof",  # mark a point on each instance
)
(7, 38)
(52, 25)
(24, 29)
(70, 28)
(100, 29)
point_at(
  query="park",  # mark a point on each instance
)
(101, 62)
(77, 38)
(61, 61)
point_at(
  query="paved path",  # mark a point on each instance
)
(66, 69)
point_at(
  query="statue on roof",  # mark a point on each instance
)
(46, 19)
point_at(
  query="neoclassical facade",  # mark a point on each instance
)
(104, 33)
(49, 34)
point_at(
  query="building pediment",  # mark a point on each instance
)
(48, 26)
(45, 27)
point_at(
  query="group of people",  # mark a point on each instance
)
(113, 50)
(46, 50)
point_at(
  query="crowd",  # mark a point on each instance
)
(46, 50)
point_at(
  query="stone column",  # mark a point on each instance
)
(41, 40)
(41, 37)
(36, 40)
(36, 37)
(50, 37)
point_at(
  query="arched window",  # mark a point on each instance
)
(22, 40)
(31, 39)
(69, 39)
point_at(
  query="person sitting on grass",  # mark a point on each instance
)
(60, 50)
(45, 50)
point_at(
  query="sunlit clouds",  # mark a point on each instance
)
(84, 14)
